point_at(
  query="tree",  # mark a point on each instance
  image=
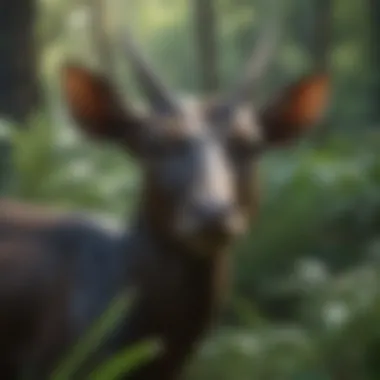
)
(19, 93)
(313, 30)
(374, 11)
(322, 33)
(205, 35)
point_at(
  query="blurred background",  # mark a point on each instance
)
(305, 302)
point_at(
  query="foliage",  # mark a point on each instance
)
(308, 273)
(121, 363)
(55, 165)
(306, 302)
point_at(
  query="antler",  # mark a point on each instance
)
(260, 58)
(157, 93)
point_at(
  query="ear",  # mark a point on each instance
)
(96, 108)
(296, 110)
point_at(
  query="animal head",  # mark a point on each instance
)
(198, 159)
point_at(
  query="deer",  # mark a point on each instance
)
(199, 195)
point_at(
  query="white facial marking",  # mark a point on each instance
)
(247, 125)
(215, 182)
(193, 118)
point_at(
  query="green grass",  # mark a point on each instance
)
(118, 365)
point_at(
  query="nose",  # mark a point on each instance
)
(214, 217)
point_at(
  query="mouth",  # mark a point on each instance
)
(211, 241)
(213, 237)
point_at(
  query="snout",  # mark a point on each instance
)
(212, 223)
(214, 219)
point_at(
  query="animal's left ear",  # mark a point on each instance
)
(296, 110)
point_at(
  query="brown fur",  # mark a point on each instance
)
(181, 287)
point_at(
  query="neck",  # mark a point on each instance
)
(182, 291)
(206, 273)
(168, 244)
(155, 217)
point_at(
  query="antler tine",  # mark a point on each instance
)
(259, 59)
(157, 93)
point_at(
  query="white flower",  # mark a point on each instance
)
(335, 314)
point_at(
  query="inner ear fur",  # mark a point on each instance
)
(297, 109)
(95, 106)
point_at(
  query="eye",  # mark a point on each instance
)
(241, 150)
(161, 148)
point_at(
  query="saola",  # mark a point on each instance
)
(60, 272)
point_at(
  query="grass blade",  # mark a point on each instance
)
(104, 326)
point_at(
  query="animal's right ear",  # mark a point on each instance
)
(96, 108)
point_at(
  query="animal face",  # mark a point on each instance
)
(198, 159)
(200, 168)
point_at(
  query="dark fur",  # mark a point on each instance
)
(59, 273)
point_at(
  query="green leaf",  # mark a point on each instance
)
(93, 339)
(126, 361)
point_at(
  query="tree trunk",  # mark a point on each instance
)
(206, 44)
(313, 27)
(314, 30)
(5, 166)
(322, 34)
(374, 11)
(19, 94)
